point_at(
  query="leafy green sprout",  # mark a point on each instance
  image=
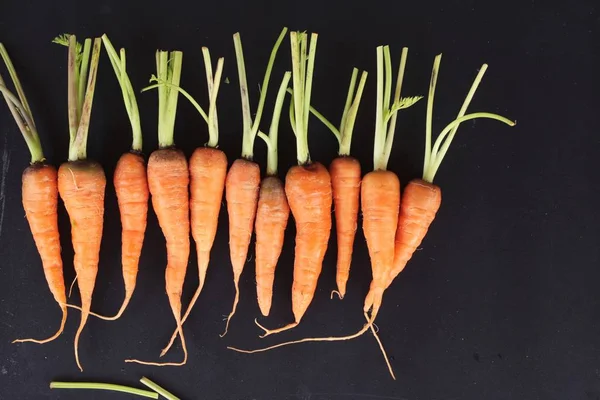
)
(303, 63)
(386, 114)
(435, 155)
(251, 127)
(118, 62)
(213, 82)
(81, 85)
(343, 134)
(20, 110)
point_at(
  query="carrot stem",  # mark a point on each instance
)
(104, 386)
(302, 83)
(350, 112)
(271, 140)
(158, 389)
(185, 94)
(389, 140)
(83, 70)
(250, 128)
(168, 67)
(213, 82)
(119, 66)
(429, 113)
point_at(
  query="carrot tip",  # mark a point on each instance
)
(340, 296)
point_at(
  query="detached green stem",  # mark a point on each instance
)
(104, 386)
(119, 66)
(250, 128)
(158, 389)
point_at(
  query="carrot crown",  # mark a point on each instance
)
(119, 66)
(250, 128)
(80, 96)
(386, 114)
(213, 82)
(434, 156)
(343, 134)
(271, 140)
(19, 108)
(303, 65)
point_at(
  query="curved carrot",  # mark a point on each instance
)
(39, 195)
(243, 179)
(422, 198)
(208, 168)
(168, 182)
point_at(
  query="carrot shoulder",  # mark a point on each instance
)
(39, 195)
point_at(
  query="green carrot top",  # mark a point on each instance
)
(19, 108)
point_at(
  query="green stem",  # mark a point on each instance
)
(349, 97)
(73, 89)
(389, 140)
(119, 66)
(429, 114)
(104, 386)
(453, 125)
(25, 124)
(317, 114)
(158, 389)
(302, 83)
(82, 75)
(349, 118)
(272, 155)
(213, 82)
(78, 149)
(378, 161)
(250, 128)
(169, 70)
(180, 90)
(15, 78)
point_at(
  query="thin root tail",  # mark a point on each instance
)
(51, 338)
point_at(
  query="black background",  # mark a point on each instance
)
(501, 303)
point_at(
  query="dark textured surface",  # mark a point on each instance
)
(502, 301)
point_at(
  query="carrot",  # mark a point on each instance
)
(307, 187)
(380, 198)
(168, 181)
(422, 198)
(131, 186)
(208, 168)
(272, 213)
(345, 182)
(81, 182)
(39, 195)
(242, 184)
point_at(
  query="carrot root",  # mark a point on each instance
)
(338, 294)
(235, 303)
(273, 331)
(51, 338)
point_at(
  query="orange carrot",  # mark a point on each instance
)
(208, 168)
(168, 181)
(272, 213)
(422, 198)
(81, 182)
(243, 179)
(307, 186)
(131, 185)
(39, 195)
(345, 182)
(380, 199)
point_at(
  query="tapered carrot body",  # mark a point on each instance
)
(420, 202)
(345, 183)
(271, 220)
(131, 187)
(81, 185)
(40, 202)
(168, 181)
(241, 192)
(308, 189)
(208, 169)
(380, 197)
